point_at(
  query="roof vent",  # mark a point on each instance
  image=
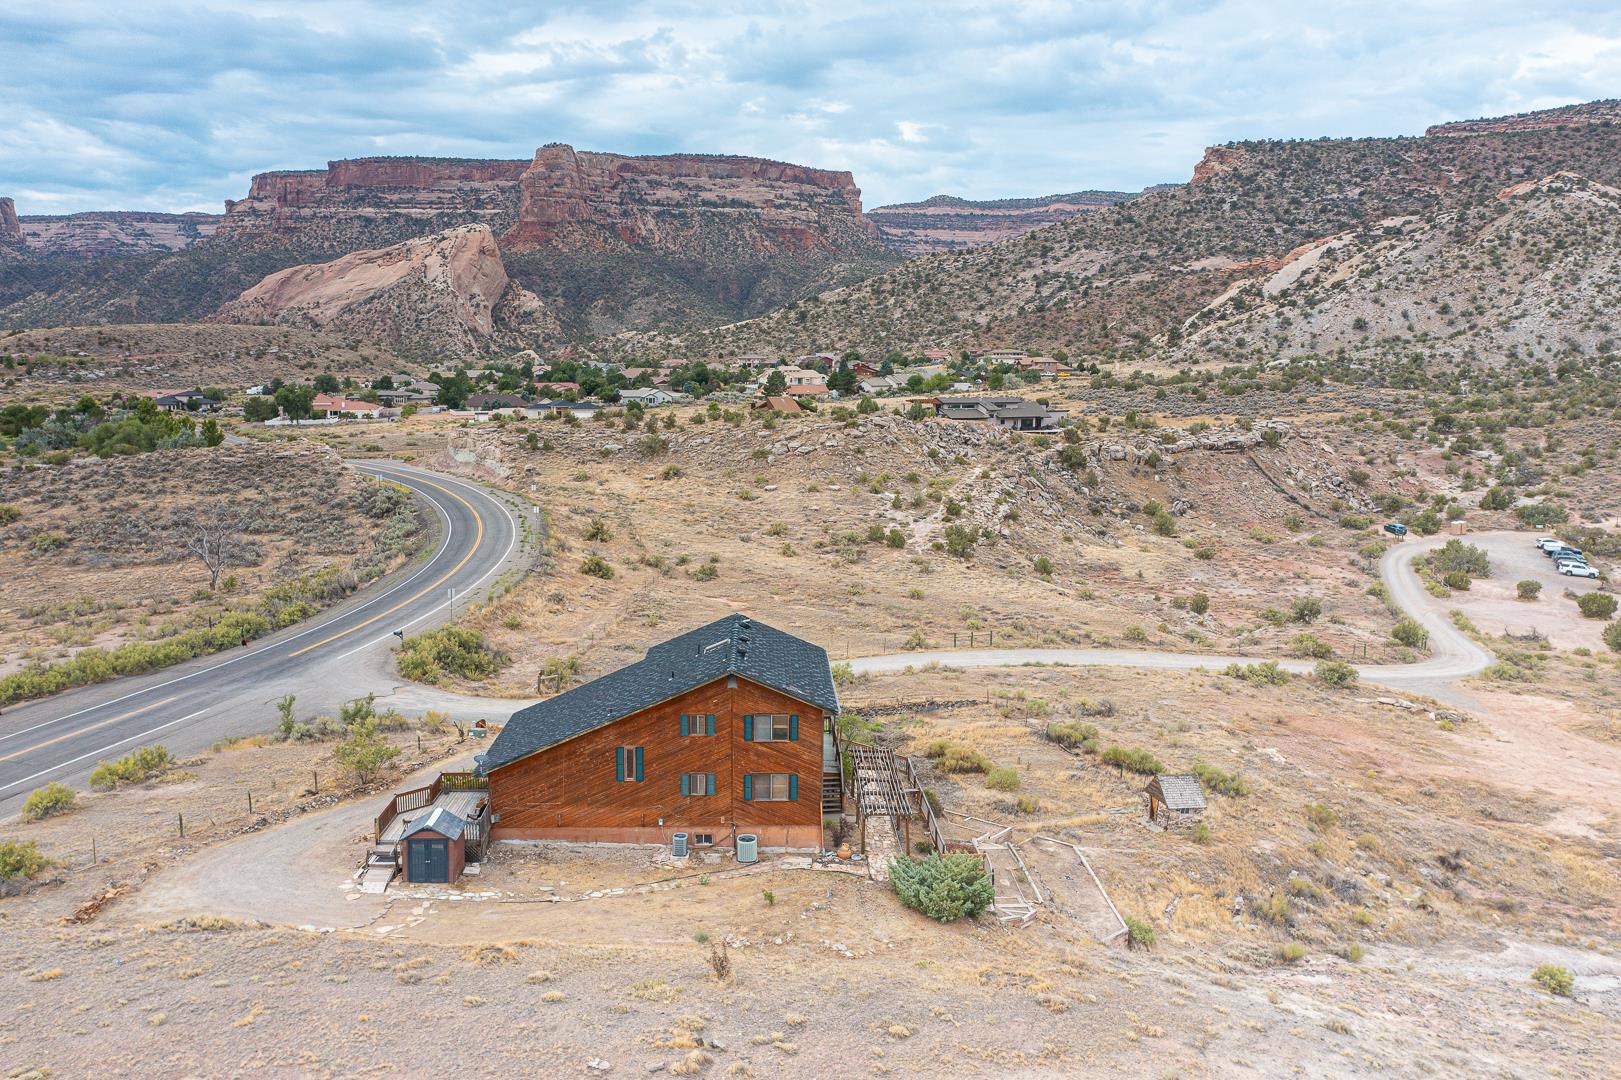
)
(713, 645)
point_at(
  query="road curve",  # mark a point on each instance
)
(340, 654)
(1452, 655)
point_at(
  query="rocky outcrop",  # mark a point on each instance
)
(1219, 160)
(437, 293)
(947, 223)
(571, 198)
(99, 234)
(10, 227)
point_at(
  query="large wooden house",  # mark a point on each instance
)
(725, 730)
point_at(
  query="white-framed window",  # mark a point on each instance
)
(697, 783)
(770, 787)
(772, 727)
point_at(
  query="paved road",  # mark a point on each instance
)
(342, 654)
(1452, 656)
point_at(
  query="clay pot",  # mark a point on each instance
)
(844, 852)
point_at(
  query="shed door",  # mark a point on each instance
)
(429, 860)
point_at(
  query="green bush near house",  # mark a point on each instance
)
(53, 798)
(1002, 779)
(1528, 589)
(1132, 760)
(450, 650)
(1410, 632)
(1139, 934)
(943, 887)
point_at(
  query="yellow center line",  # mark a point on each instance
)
(478, 539)
(80, 731)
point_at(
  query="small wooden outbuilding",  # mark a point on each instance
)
(433, 848)
(1175, 801)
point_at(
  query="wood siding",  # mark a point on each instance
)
(569, 791)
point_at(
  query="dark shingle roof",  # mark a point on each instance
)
(1181, 791)
(735, 645)
(437, 820)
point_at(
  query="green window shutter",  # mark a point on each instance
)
(619, 763)
(685, 787)
(638, 764)
(748, 788)
(709, 727)
(710, 786)
(685, 727)
(793, 727)
(793, 787)
(748, 731)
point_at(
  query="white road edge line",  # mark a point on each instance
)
(450, 531)
(103, 750)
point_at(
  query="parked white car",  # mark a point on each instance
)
(1577, 569)
(1547, 543)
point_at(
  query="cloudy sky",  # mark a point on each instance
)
(173, 106)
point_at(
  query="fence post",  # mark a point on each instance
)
(316, 781)
(182, 819)
(250, 802)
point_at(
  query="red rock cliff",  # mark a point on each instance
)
(1218, 160)
(10, 228)
(632, 197)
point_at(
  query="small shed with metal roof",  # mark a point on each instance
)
(1175, 800)
(433, 848)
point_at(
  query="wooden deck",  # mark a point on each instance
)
(460, 803)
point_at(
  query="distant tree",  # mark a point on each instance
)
(211, 433)
(454, 390)
(775, 383)
(214, 537)
(383, 382)
(295, 401)
(365, 752)
(843, 379)
(260, 409)
(325, 384)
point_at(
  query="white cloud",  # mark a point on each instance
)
(172, 103)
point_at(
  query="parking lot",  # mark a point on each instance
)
(1493, 606)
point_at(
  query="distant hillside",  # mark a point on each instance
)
(949, 223)
(607, 241)
(1604, 112)
(1118, 281)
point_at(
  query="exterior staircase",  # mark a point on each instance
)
(832, 795)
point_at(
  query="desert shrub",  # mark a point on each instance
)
(53, 798)
(1043, 566)
(9, 513)
(1219, 780)
(961, 759)
(1353, 952)
(1335, 672)
(364, 752)
(1554, 979)
(1292, 951)
(598, 531)
(1132, 760)
(1321, 817)
(1411, 633)
(1541, 515)
(1456, 579)
(596, 566)
(1612, 636)
(1310, 645)
(943, 887)
(1073, 736)
(1139, 934)
(1596, 605)
(1265, 673)
(133, 768)
(1198, 603)
(1002, 779)
(1305, 609)
(960, 540)
(1528, 589)
(933, 798)
(706, 572)
(21, 859)
(450, 650)
(1200, 833)
(95, 665)
(1456, 555)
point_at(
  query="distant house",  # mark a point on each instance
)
(754, 360)
(798, 376)
(337, 405)
(779, 402)
(580, 410)
(1014, 413)
(881, 384)
(1003, 356)
(648, 396)
(185, 401)
(631, 374)
(257, 391)
(1175, 800)
(1043, 365)
(862, 370)
(722, 733)
(940, 355)
(808, 390)
(411, 396)
(497, 403)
